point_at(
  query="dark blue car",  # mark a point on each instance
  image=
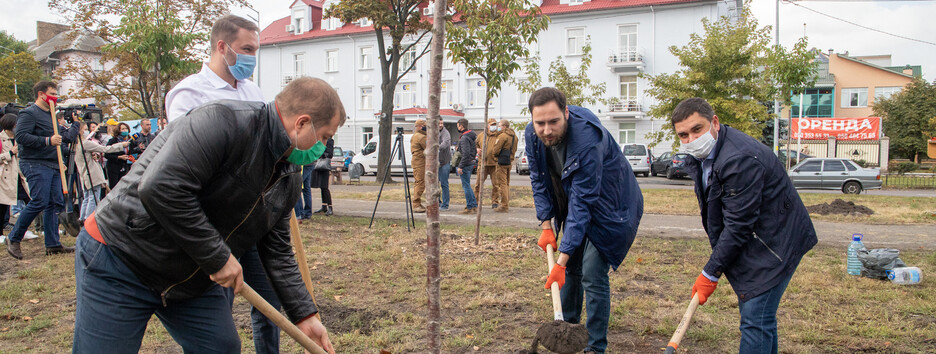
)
(670, 164)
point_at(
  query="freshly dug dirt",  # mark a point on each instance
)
(839, 206)
(561, 337)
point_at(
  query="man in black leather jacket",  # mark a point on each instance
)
(165, 241)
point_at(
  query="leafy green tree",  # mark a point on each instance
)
(171, 33)
(396, 19)
(734, 68)
(909, 118)
(575, 84)
(490, 37)
(19, 71)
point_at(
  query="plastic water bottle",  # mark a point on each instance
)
(854, 265)
(904, 275)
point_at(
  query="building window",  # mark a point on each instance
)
(627, 42)
(404, 94)
(817, 103)
(97, 66)
(447, 60)
(366, 58)
(885, 92)
(367, 98)
(331, 23)
(476, 92)
(407, 58)
(628, 89)
(575, 40)
(299, 64)
(331, 60)
(523, 98)
(854, 97)
(627, 133)
(367, 133)
(445, 97)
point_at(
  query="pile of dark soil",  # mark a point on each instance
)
(839, 206)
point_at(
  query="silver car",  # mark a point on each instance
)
(523, 168)
(639, 157)
(834, 173)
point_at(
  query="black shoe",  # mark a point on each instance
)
(329, 212)
(322, 210)
(494, 206)
(57, 250)
(13, 248)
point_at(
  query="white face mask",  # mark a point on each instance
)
(702, 146)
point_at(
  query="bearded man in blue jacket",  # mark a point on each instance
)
(757, 225)
(581, 179)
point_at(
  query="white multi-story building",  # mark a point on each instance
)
(627, 38)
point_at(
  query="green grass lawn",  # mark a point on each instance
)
(370, 284)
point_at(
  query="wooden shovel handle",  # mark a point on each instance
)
(301, 258)
(281, 321)
(683, 325)
(554, 287)
(58, 150)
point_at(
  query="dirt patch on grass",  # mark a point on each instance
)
(840, 207)
(339, 318)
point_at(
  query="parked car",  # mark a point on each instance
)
(834, 173)
(345, 159)
(338, 160)
(639, 157)
(368, 156)
(670, 164)
(523, 168)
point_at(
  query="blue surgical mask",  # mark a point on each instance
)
(243, 67)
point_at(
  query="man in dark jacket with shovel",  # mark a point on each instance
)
(756, 223)
(580, 177)
(166, 240)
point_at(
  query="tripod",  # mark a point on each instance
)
(397, 147)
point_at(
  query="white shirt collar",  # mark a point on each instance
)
(215, 80)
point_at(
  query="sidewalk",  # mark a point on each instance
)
(836, 234)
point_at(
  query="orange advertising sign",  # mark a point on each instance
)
(865, 128)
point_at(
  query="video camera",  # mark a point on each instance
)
(399, 130)
(11, 108)
(87, 112)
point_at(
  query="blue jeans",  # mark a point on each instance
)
(113, 308)
(90, 202)
(759, 321)
(45, 189)
(587, 274)
(470, 200)
(266, 335)
(444, 171)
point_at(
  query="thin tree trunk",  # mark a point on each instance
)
(159, 96)
(481, 167)
(433, 229)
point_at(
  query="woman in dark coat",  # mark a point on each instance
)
(320, 180)
(118, 163)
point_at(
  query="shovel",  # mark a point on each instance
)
(281, 321)
(559, 336)
(683, 325)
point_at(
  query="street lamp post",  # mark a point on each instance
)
(15, 88)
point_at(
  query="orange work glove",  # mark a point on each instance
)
(547, 238)
(704, 287)
(557, 274)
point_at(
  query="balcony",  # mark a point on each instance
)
(625, 109)
(630, 61)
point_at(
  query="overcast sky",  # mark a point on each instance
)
(903, 18)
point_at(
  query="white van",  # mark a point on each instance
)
(367, 159)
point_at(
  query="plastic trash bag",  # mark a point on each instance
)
(875, 262)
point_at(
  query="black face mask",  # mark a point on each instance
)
(423, 128)
(460, 130)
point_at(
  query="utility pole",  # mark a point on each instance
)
(776, 103)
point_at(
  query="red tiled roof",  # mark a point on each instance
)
(276, 31)
(420, 110)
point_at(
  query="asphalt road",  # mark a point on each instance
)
(685, 183)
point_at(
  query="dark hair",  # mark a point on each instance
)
(43, 86)
(546, 95)
(463, 122)
(690, 106)
(226, 28)
(8, 122)
(121, 125)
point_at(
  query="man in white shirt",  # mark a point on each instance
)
(232, 60)
(234, 44)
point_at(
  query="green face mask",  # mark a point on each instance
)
(307, 156)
